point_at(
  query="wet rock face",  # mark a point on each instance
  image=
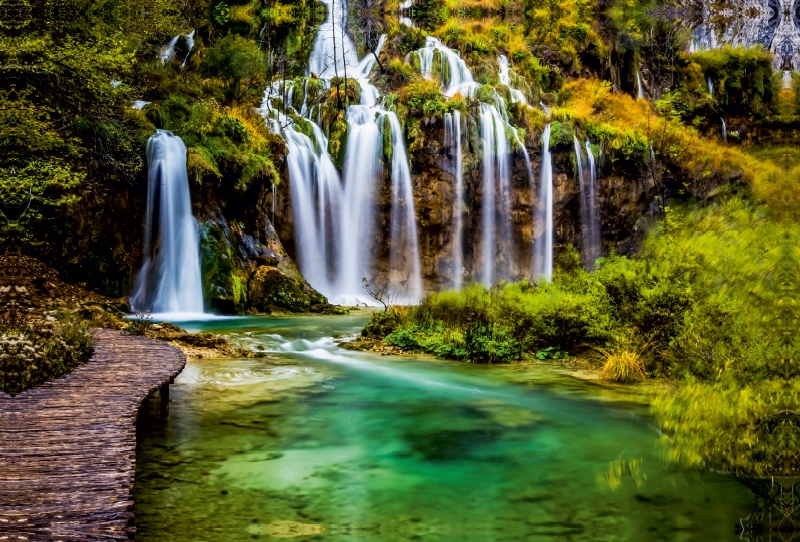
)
(243, 263)
(622, 203)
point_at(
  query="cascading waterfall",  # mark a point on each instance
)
(495, 216)
(639, 87)
(190, 44)
(710, 85)
(167, 52)
(543, 246)
(316, 201)
(169, 280)
(333, 52)
(454, 74)
(335, 221)
(590, 225)
(405, 276)
(455, 78)
(362, 165)
(516, 95)
(724, 130)
(452, 141)
(592, 242)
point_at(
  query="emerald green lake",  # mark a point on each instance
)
(314, 442)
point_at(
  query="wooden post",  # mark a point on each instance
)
(164, 392)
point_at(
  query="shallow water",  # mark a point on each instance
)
(316, 442)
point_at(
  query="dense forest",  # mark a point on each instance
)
(611, 181)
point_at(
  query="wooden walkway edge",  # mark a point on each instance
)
(68, 447)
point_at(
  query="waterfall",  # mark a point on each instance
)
(543, 245)
(167, 52)
(495, 215)
(452, 141)
(496, 254)
(405, 276)
(333, 52)
(640, 89)
(724, 130)
(190, 43)
(516, 95)
(356, 235)
(316, 201)
(590, 224)
(169, 280)
(592, 242)
(454, 75)
(710, 85)
(335, 221)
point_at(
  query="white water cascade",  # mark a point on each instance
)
(543, 245)
(334, 53)
(454, 75)
(167, 52)
(336, 220)
(495, 216)
(639, 87)
(589, 215)
(405, 276)
(710, 85)
(516, 95)
(452, 141)
(724, 130)
(168, 283)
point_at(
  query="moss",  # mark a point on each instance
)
(272, 289)
(561, 133)
(223, 284)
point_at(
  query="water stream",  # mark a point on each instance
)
(316, 442)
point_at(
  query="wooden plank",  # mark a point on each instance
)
(68, 447)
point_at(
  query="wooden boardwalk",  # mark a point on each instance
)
(67, 447)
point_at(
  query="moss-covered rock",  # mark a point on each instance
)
(270, 288)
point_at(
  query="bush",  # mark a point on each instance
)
(380, 325)
(41, 353)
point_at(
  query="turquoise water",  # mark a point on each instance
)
(317, 442)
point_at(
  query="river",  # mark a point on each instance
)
(317, 442)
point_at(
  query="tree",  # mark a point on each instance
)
(235, 60)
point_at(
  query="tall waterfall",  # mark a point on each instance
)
(496, 246)
(543, 246)
(405, 276)
(495, 216)
(590, 224)
(591, 242)
(724, 130)
(710, 85)
(356, 236)
(169, 280)
(452, 141)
